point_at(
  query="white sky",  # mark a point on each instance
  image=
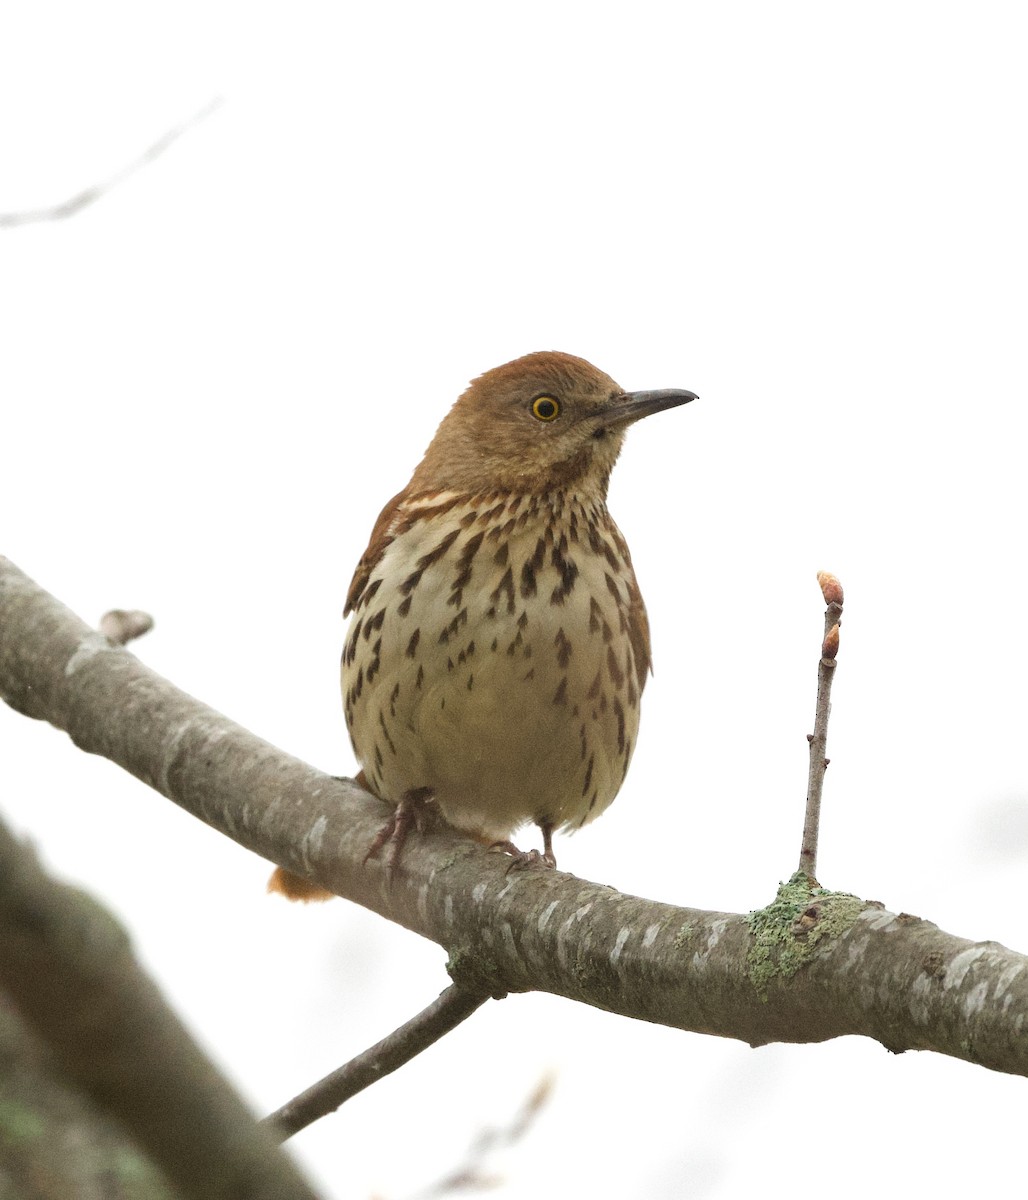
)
(811, 214)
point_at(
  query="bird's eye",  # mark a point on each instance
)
(546, 408)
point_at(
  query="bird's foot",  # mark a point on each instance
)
(529, 858)
(411, 810)
(522, 859)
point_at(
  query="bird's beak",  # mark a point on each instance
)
(633, 406)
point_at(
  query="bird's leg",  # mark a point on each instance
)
(549, 858)
(409, 811)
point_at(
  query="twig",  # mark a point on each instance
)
(443, 1015)
(831, 589)
(472, 1172)
(75, 204)
(121, 625)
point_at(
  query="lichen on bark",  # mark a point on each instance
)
(786, 934)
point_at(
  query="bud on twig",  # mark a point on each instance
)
(121, 625)
(831, 588)
(830, 646)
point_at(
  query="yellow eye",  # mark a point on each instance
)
(546, 408)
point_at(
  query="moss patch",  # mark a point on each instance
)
(684, 936)
(786, 933)
(19, 1123)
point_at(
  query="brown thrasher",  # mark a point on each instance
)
(499, 643)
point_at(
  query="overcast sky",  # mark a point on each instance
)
(811, 214)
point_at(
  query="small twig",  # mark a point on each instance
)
(831, 589)
(473, 1173)
(121, 626)
(443, 1015)
(89, 195)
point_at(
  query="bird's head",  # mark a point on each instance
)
(540, 423)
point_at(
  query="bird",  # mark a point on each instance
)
(498, 643)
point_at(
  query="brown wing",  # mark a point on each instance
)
(381, 537)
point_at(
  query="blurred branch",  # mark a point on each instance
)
(54, 1144)
(68, 967)
(812, 965)
(442, 1015)
(473, 1171)
(75, 204)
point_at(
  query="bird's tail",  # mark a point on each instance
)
(295, 887)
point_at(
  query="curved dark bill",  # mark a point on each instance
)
(632, 406)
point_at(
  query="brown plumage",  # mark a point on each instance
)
(498, 644)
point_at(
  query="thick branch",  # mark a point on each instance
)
(811, 966)
(69, 969)
(54, 1144)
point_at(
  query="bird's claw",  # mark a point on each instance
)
(525, 858)
(409, 811)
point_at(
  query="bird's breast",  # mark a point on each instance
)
(494, 656)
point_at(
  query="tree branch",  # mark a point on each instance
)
(55, 1144)
(68, 967)
(813, 965)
